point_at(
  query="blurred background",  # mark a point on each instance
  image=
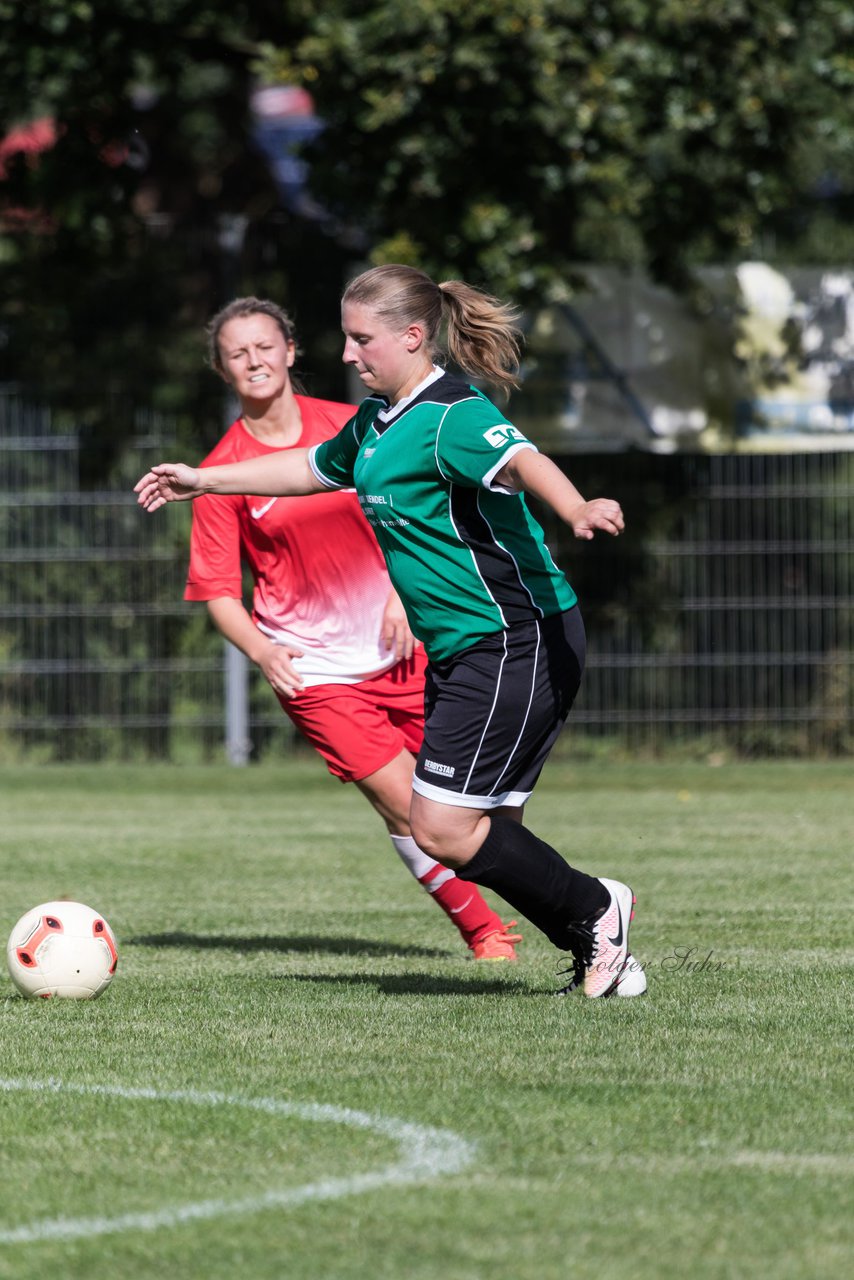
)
(666, 190)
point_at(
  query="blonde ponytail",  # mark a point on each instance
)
(483, 337)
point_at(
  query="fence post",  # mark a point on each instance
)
(231, 235)
(237, 741)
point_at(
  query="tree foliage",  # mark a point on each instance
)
(506, 141)
(152, 205)
(511, 140)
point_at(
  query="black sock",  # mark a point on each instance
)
(535, 879)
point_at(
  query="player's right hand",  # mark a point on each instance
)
(167, 482)
(280, 671)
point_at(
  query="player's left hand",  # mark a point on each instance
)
(395, 634)
(601, 513)
(167, 482)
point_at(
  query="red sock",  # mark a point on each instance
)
(462, 903)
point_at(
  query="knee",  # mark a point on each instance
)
(437, 844)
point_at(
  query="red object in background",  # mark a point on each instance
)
(30, 139)
(283, 101)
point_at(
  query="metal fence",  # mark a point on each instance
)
(739, 632)
(722, 622)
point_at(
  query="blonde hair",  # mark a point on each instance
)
(481, 333)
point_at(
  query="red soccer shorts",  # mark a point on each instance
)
(359, 728)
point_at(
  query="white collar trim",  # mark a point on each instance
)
(387, 415)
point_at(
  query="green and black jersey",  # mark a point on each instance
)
(464, 554)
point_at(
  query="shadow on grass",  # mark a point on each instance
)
(293, 944)
(416, 984)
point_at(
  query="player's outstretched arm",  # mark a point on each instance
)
(275, 474)
(534, 473)
(167, 482)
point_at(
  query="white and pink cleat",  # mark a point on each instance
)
(603, 964)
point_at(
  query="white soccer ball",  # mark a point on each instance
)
(62, 949)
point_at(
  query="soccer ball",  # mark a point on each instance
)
(62, 949)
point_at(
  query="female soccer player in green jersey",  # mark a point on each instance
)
(440, 474)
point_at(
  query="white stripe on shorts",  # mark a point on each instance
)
(431, 792)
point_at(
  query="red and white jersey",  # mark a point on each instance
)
(320, 579)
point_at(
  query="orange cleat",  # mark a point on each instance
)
(497, 945)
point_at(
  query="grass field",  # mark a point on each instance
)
(298, 1073)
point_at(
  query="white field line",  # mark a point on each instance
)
(425, 1153)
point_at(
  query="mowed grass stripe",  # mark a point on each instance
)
(422, 1154)
(272, 946)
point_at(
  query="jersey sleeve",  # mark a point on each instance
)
(474, 442)
(215, 566)
(333, 460)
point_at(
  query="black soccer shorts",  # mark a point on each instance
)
(494, 711)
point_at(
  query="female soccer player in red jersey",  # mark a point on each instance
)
(326, 628)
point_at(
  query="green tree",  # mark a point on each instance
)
(153, 204)
(507, 141)
(511, 140)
